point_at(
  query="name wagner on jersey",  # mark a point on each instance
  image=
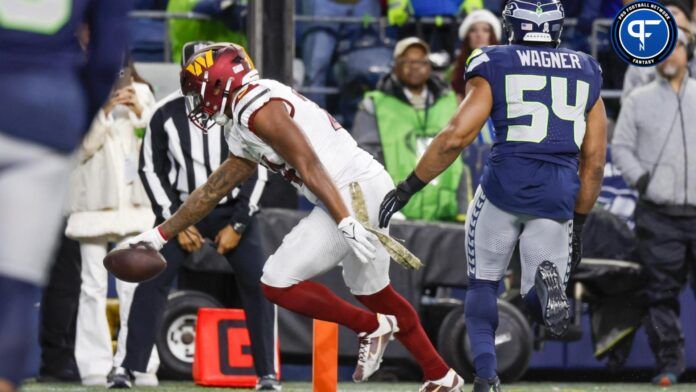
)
(546, 59)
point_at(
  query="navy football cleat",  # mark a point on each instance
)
(483, 385)
(555, 309)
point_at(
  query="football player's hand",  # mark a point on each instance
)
(393, 202)
(190, 239)
(399, 197)
(361, 241)
(227, 239)
(152, 238)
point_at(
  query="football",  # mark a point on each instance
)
(135, 264)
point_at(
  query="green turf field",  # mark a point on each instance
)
(379, 387)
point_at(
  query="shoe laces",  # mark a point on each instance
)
(364, 348)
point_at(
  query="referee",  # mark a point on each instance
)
(176, 158)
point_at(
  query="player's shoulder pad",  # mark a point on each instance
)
(594, 64)
(488, 55)
(249, 99)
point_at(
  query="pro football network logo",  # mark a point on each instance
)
(644, 33)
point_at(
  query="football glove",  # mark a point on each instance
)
(397, 198)
(360, 240)
(152, 238)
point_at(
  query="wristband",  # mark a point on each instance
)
(413, 184)
(579, 219)
(161, 233)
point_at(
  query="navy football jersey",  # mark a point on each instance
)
(541, 97)
(51, 87)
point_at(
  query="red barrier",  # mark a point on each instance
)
(223, 350)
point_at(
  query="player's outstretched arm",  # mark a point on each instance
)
(200, 202)
(592, 158)
(461, 130)
(274, 125)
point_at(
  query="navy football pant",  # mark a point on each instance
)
(492, 235)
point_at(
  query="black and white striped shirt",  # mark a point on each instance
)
(176, 157)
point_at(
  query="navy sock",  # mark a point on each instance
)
(531, 300)
(481, 312)
(18, 327)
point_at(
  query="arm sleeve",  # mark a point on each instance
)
(366, 131)
(154, 169)
(247, 202)
(624, 142)
(107, 45)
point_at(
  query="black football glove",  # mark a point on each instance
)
(397, 198)
(578, 224)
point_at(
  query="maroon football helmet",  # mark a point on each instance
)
(208, 78)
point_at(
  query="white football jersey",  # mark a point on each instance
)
(335, 147)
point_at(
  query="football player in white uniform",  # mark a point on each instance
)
(268, 123)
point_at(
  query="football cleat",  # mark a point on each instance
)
(483, 385)
(666, 379)
(372, 347)
(550, 290)
(451, 382)
(268, 383)
(119, 378)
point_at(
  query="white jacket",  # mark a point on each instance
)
(107, 199)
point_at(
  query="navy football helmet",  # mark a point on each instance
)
(533, 21)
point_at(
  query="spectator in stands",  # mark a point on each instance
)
(396, 122)
(480, 28)
(320, 39)
(639, 76)
(654, 146)
(172, 144)
(439, 35)
(107, 204)
(227, 24)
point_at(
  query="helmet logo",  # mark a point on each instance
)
(200, 63)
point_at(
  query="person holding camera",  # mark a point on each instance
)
(654, 146)
(107, 204)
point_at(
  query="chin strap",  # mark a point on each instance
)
(220, 118)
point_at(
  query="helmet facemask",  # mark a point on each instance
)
(206, 113)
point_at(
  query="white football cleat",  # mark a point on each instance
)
(372, 347)
(451, 382)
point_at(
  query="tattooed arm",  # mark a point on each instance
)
(200, 202)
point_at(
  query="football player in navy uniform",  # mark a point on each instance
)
(541, 179)
(52, 90)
